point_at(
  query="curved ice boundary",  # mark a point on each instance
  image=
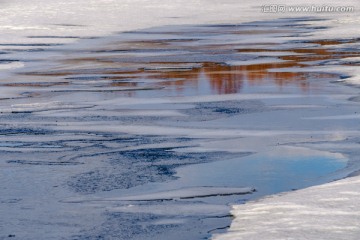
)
(186, 193)
(183, 193)
(330, 211)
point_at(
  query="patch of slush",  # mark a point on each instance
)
(46, 106)
(329, 211)
(10, 66)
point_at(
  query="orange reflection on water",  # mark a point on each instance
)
(123, 69)
(225, 79)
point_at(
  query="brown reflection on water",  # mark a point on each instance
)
(333, 41)
(307, 54)
(225, 79)
(116, 65)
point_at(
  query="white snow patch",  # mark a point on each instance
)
(12, 65)
(22, 18)
(329, 211)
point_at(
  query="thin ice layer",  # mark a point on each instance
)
(185, 193)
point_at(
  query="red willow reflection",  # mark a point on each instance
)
(118, 66)
(225, 79)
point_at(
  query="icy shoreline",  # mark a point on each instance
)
(329, 211)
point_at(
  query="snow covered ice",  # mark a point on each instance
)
(329, 211)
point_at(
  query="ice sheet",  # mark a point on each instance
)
(86, 18)
(328, 211)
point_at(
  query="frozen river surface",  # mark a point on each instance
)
(155, 133)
